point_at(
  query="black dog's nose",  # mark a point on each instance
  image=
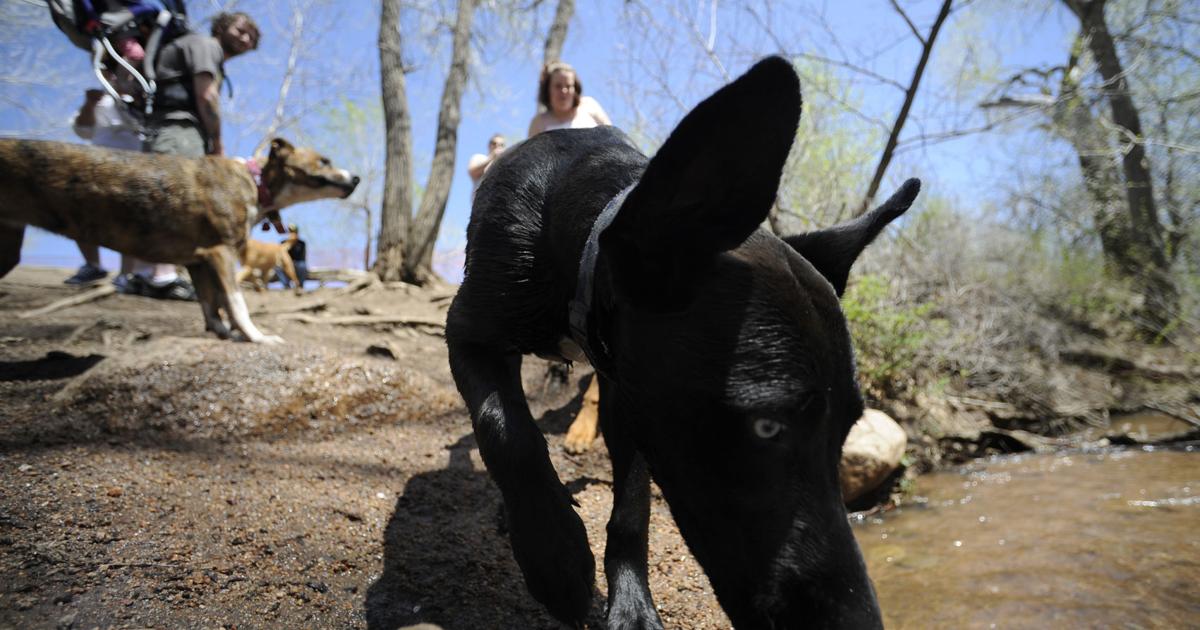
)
(354, 180)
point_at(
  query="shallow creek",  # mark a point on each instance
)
(1084, 539)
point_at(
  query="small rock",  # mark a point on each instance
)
(386, 350)
(871, 452)
(66, 621)
(115, 492)
(25, 468)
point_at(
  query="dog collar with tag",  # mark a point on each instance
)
(265, 198)
(580, 308)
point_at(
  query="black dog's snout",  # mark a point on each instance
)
(354, 180)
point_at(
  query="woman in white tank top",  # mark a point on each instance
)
(561, 93)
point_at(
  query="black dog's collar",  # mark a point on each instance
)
(580, 308)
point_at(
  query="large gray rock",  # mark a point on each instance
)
(872, 452)
(185, 388)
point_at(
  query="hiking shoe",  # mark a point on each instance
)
(87, 273)
(129, 284)
(177, 289)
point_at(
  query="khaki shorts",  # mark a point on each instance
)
(177, 138)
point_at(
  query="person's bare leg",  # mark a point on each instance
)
(91, 270)
(90, 252)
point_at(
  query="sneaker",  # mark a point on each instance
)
(86, 274)
(177, 289)
(129, 284)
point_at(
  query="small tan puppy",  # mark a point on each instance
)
(261, 259)
(583, 429)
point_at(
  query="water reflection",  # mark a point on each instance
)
(1079, 540)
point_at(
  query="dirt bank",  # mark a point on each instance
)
(156, 477)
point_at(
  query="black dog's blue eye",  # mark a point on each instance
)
(766, 428)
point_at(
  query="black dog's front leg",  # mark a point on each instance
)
(548, 538)
(630, 604)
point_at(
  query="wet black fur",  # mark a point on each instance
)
(713, 324)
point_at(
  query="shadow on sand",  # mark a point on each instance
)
(446, 555)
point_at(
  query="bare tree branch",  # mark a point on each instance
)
(911, 27)
(297, 36)
(909, 97)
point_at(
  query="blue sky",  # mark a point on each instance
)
(619, 62)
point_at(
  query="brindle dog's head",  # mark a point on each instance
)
(733, 366)
(295, 174)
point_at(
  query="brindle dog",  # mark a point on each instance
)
(161, 208)
(726, 371)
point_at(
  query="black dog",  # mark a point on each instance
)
(725, 362)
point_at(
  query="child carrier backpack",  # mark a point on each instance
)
(101, 27)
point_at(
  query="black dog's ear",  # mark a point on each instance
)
(833, 250)
(280, 148)
(712, 182)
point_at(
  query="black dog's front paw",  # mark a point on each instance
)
(630, 608)
(550, 544)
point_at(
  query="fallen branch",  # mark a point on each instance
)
(1176, 412)
(357, 283)
(365, 320)
(82, 330)
(103, 290)
(338, 275)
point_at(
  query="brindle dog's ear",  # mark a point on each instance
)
(710, 185)
(280, 148)
(833, 250)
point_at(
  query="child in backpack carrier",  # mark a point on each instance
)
(129, 32)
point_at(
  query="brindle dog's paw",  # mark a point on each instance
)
(550, 544)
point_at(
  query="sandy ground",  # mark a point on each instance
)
(154, 476)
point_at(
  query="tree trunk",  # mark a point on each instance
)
(910, 95)
(367, 248)
(397, 184)
(1101, 177)
(418, 261)
(1137, 248)
(558, 31)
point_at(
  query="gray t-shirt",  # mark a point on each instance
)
(178, 63)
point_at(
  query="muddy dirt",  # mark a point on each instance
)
(154, 476)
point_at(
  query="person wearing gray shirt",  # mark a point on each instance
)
(187, 118)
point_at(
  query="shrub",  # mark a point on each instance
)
(890, 335)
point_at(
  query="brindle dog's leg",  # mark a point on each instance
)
(548, 537)
(205, 281)
(223, 262)
(244, 274)
(10, 247)
(630, 604)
